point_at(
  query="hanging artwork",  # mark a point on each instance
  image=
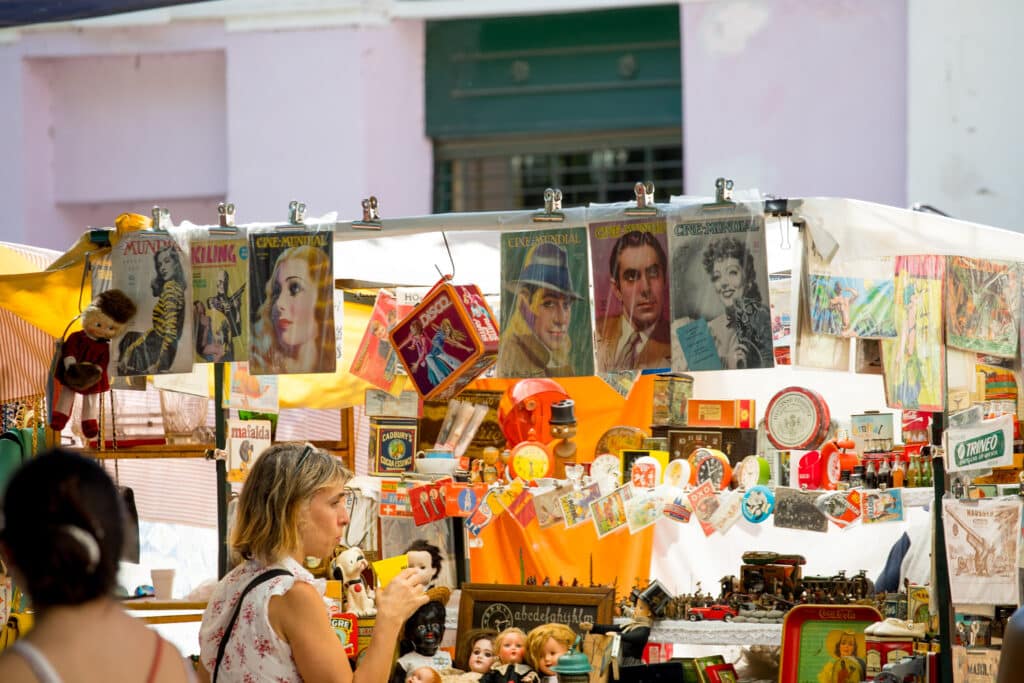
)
(981, 546)
(631, 296)
(376, 360)
(154, 271)
(291, 279)
(852, 299)
(983, 306)
(721, 318)
(914, 362)
(780, 286)
(545, 312)
(220, 302)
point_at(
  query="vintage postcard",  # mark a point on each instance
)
(983, 306)
(609, 512)
(576, 505)
(780, 288)
(676, 505)
(915, 361)
(631, 295)
(704, 502)
(548, 507)
(795, 509)
(545, 305)
(982, 541)
(291, 300)
(850, 306)
(220, 299)
(643, 510)
(155, 272)
(882, 506)
(257, 393)
(721, 319)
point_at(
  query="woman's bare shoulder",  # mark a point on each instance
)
(14, 668)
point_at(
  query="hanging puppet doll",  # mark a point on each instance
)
(82, 365)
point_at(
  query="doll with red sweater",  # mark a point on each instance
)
(84, 356)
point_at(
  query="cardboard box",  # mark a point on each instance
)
(447, 340)
(672, 392)
(703, 412)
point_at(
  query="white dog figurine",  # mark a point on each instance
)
(349, 567)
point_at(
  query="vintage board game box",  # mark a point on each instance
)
(447, 340)
(392, 444)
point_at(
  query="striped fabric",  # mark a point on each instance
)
(25, 350)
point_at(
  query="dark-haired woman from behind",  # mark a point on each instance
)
(62, 539)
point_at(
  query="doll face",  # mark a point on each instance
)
(99, 325)
(420, 561)
(512, 648)
(482, 656)
(426, 633)
(552, 651)
(424, 674)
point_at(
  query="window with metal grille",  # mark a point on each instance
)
(512, 173)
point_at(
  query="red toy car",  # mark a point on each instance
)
(712, 613)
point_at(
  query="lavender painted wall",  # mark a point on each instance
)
(796, 97)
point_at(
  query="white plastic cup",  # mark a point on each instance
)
(163, 583)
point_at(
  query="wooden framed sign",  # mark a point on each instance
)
(500, 606)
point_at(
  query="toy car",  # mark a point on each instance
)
(712, 613)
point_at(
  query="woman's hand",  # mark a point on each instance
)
(402, 596)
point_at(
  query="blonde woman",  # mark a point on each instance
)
(293, 506)
(291, 330)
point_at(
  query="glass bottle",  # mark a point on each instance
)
(870, 475)
(914, 472)
(885, 474)
(898, 473)
(925, 478)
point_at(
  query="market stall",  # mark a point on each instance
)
(497, 541)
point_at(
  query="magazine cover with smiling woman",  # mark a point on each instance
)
(545, 308)
(291, 276)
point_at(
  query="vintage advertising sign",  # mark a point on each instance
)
(981, 446)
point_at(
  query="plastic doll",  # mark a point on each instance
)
(544, 645)
(84, 356)
(510, 667)
(634, 635)
(421, 640)
(426, 557)
(424, 674)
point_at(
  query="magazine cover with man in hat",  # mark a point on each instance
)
(545, 311)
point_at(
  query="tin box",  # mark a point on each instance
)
(671, 393)
(392, 444)
(447, 340)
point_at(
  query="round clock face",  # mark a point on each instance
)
(834, 468)
(758, 504)
(710, 468)
(606, 467)
(677, 473)
(751, 472)
(530, 460)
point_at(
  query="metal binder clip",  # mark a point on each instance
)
(296, 212)
(371, 216)
(552, 211)
(161, 219)
(644, 200)
(778, 207)
(227, 214)
(723, 190)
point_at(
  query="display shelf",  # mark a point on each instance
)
(713, 632)
(149, 452)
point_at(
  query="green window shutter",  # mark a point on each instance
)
(587, 71)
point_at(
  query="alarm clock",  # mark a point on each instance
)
(711, 465)
(835, 459)
(678, 473)
(530, 460)
(752, 471)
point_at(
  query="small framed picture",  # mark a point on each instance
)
(721, 673)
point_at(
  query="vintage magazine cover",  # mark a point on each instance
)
(545, 305)
(914, 362)
(983, 306)
(853, 299)
(376, 360)
(576, 504)
(631, 296)
(247, 439)
(155, 272)
(982, 540)
(721, 319)
(291, 281)
(780, 287)
(882, 506)
(815, 350)
(220, 302)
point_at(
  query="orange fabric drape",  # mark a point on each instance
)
(619, 558)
